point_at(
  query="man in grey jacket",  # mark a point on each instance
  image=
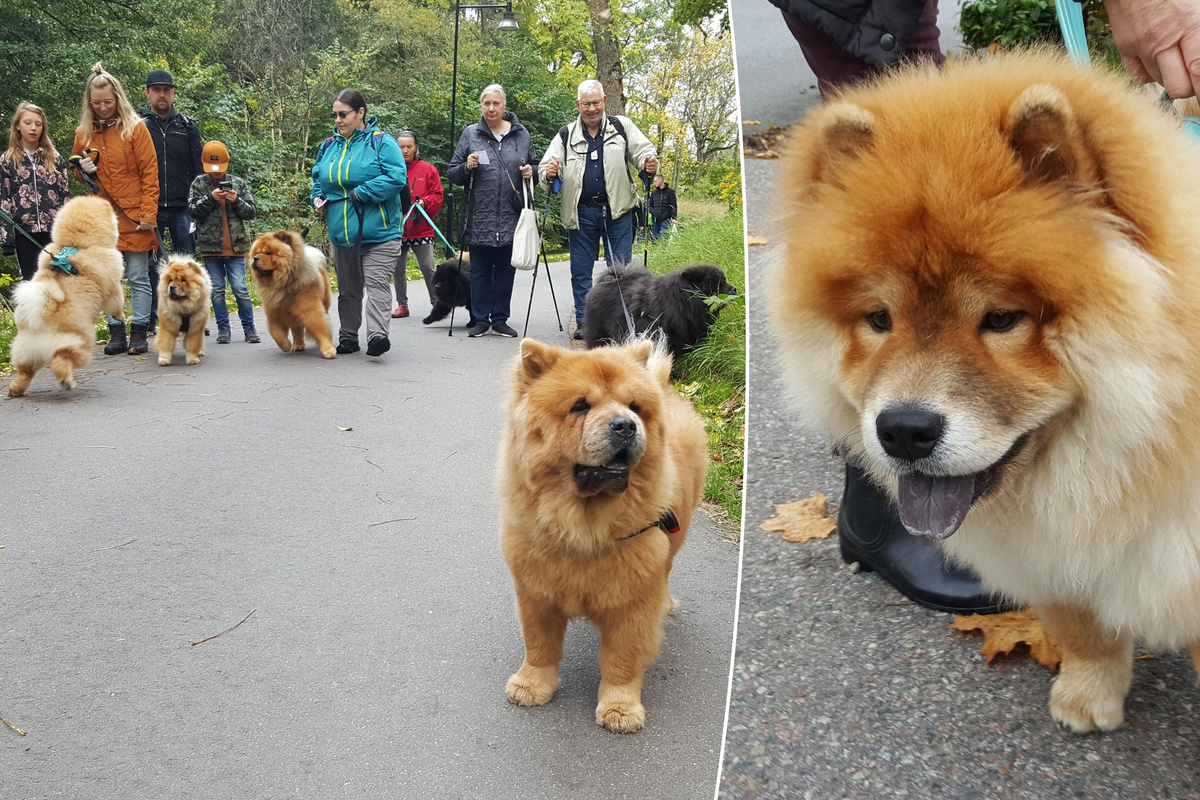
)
(593, 155)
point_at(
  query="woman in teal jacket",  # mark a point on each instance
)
(357, 182)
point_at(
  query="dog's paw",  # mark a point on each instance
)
(67, 383)
(15, 391)
(1080, 709)
(298, 347)
(670, 604)
(193, 360)
(164, 361)
(529, 688)
(621, 717)
(329, 352)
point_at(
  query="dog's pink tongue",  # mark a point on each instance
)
(934, 507)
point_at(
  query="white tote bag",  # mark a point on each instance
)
(526, 240)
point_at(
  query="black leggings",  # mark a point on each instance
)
(27, 252)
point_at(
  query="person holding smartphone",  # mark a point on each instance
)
(221, 203)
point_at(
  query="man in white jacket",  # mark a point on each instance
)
(593, 156)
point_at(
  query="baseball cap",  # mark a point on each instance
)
(215, 157)
(160, 77)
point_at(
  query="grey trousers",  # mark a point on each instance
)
(371, 273)
(424, 254)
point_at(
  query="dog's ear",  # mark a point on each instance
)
(536, 359)
(1045, 136)
(641, 352)
(844, 133)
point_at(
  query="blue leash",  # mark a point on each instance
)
(1070, 22)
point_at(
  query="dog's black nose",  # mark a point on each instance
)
(909, 432)
(623, 427)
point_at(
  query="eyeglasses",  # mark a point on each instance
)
(591, 104)
(102, 103)
(340, 115)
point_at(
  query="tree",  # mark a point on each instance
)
(609, 71)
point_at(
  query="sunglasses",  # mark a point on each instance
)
(340, 115)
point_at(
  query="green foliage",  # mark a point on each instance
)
(1008, 22)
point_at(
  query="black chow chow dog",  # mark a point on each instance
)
(671, 303)
(451, 287)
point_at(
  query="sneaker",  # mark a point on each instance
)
(478, 329)
(346, 346)
(223, 336)
(400, 313)
(578, 335)
(502, 329)
(378, 346)
(252, 337)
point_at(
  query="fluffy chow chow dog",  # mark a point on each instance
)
(294, 288)
(451, 287)
(56, 311)
(672, 303)
(601, 468)
(184, 289)
(987, 293)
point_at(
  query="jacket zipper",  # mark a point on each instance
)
(37, 199)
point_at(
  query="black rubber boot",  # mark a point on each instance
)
(871, 534)
(137, 339)
(116, 339)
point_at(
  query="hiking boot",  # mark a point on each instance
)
(378, 346)
(503, 329)
(346, 346)
(137, 339)
(252, 336)
(116, 339)
(478, 329)
(578, 335)
(223, 336)
(870, 534)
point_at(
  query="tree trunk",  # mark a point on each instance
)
(609, 70)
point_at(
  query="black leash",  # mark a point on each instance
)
(668, 522)
(616, 275)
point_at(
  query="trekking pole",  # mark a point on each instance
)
(468, 196)
(542, 253)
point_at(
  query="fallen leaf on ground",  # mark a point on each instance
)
(762, 154)
(801, 521)
(1003, 632)
(340, 428)
(751, 122)
(755, 241)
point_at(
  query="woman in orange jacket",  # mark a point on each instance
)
(118, 159)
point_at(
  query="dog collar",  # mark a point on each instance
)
(60, 262)
(668, 522)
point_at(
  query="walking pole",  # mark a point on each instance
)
(467, 197)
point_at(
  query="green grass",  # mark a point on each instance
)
(713, 375)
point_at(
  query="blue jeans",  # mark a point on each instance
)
(234, 268)
(660, 225)
(179, 225)
(584, 246)
(137, 271)
(492, 276)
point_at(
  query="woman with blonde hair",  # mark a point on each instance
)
(33, 187)
(117, 157)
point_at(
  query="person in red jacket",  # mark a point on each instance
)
(426, 187)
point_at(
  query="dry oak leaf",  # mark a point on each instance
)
(1003, 632)
(754, 241)
(801, 521)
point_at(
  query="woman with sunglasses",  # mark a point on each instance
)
(357, 180)
(33, 186)
(117, 159)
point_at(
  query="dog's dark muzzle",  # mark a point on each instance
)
(176, 293)
(611, 477)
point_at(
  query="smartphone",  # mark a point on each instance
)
(225, 185)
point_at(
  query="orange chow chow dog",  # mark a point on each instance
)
(183, 297)
(601, 469)
(78, 278)
(294, 288)
(988, 293)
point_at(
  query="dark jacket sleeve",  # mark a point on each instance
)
(672, 209)
(457, 171)
(200, 201)
(244, 205)
(197, 145)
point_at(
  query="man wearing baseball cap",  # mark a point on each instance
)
(178, 145)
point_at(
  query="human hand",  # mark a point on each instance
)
(87, 165)
(230, 195)
(552, 169)
(1159, 40)
(419, 201)
(472, 161)
(651, 165)
(145, 226)
(319, 204)
(526, 171)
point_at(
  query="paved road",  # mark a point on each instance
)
(153, 507)
(841, 688)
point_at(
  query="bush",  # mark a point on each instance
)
(1008, 23)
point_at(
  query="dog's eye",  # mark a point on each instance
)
(581, 406)
(880, 321)
(635, 408)
(999, 321)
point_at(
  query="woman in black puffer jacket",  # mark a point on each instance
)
(492, 159)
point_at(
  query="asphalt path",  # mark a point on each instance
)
(841, 687)
(349, 508)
